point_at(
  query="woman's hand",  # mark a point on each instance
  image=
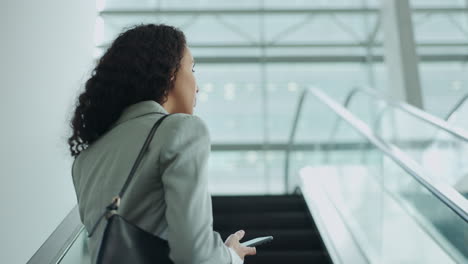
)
(233, 242)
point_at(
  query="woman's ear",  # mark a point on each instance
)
(172, 75)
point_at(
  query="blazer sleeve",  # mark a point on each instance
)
(189, 214)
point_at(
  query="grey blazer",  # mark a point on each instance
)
(168, 195)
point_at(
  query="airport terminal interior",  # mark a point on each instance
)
(339, 127)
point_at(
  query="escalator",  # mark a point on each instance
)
(440, 146)
(457, 118)
(285, 217)
(358, 198)
(392, 206)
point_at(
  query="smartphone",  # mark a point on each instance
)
(257, 241)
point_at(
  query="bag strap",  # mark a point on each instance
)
(112, 207)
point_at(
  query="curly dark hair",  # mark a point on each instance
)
(137, 67)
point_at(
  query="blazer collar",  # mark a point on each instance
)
(139, 109)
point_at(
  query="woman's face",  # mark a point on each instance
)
(182, 98)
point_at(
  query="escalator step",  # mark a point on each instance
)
(285, 217)
(261, 220)
(293, 257)
(256, 203)
(283, 239)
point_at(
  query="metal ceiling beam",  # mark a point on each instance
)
(317, 59)
(320, 59)
(309, 45)
(290, 29)
(152, 11)
(317, 145)
(257, 11)
(235, 29)
(373, 34)
(401, 56)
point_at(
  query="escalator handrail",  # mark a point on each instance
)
(444, 193)
(456, 107)
(409, 109)
(59, 242)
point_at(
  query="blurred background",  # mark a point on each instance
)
(254, 59)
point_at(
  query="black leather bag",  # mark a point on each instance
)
(124, 242)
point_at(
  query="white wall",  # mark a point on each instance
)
(45, 54)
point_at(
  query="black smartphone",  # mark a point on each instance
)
(257, 241)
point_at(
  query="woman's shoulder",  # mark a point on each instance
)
(183, 123)
(184, 133)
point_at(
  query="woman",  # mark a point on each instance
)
(148, 72)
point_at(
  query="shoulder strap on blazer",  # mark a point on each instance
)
(112, 207)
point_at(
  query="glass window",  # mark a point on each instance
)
(252, 66)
